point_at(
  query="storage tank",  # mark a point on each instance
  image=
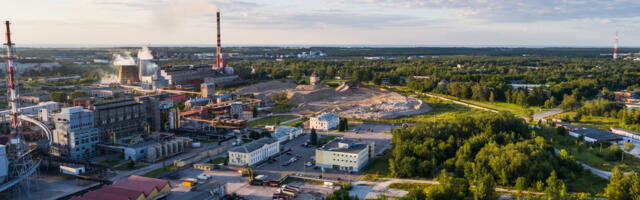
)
(4, 163)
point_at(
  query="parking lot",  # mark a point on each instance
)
(377, 133)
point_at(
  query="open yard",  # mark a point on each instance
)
(271, 120)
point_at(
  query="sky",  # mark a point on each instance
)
(536, 23)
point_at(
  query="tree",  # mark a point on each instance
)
(346, 124)
(131, 164)
(628, 146)
(521, 183)
(492, 97)
(623, 186)
(313, 137)
(529, 113)
(485, 189)
(77, 94)
(59, 96)
(254, 110)
(555, 187)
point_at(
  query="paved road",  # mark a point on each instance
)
(383, 187)
(542, 115)
(168, 162)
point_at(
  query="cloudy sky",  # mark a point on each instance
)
(325, 22)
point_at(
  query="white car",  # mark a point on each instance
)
(204, 177)
(308, 164)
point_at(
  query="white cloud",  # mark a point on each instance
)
(523, 10)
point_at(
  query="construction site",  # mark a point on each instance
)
(349, 100)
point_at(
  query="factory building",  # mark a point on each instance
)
(254, 152)
(75, 136)
(345, 155)
(119, 119)
(128, 74)
(153, 151)
(193, 75)
(154, 105)
(207, 89)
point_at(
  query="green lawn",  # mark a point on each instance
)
(282, 107)
(587, 182)
(295, 123)
(409, 186)
(325, 140)
(442, 111)
(159, 171)
(597, 121)
(271, 120)
(110, 163)
(591, 154)
(218, 160)
(377, 168)
(125, 167)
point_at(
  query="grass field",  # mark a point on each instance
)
(409, 186)
(295, 123)
(159, 171)
(218, 160)
(110, 163)
(442, 111)
(271, 120)
(377, 168)
(325, 140)
(590, 155)
(597, 121)
(125, 167)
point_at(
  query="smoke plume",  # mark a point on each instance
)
(126, 59)
(145, 54)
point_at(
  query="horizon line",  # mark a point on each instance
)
(308, 46)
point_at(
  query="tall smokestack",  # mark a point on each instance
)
(219, 62)
(615, 48)
(12, 86)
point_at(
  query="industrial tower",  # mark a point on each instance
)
(22, 168)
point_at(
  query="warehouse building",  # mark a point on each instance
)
(254, 152)
(345, 155)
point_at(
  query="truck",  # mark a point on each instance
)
(294, 188)
(280, 196)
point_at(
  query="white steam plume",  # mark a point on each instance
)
(145, 54)
(126, 59)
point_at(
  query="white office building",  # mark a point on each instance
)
(254, 152)
(75, 136)
(324, 122)
(285, 133)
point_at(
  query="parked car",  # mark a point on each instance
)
(204, 177)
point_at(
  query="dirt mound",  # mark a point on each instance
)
(348, 100)
(363, 102)
(262, 89)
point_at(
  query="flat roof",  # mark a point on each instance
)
(597, 134)
(254, 145)
(354, 147)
